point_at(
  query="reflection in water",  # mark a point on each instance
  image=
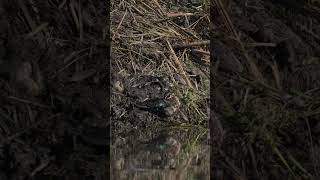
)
(163, 157)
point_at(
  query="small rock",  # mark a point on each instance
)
(118, 86)
(24, 80)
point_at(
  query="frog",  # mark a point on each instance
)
(152, 94)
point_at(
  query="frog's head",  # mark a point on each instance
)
(174, 104)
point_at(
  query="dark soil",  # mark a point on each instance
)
(54, 90)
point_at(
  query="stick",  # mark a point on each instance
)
(200, 51)
(179, 14)
(179, 64)
(200, 43)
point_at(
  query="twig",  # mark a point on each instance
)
(36, 30)
(193, 25)
(253, 67)
(235, 170)
(16, 135)
(28, 102)
(80, 21)
(201, 51)
(26, 13)
(201, 43)
(62, 4)
(119, 25)
(3, 124)
(160, 8)
(189, 33)
(254, 162)
(311, 144)
(31, 23)
(179, 14)
(276, 75)
(42, 165)
(69, 62)
(179, 64)
(261, 44)
(73, 12)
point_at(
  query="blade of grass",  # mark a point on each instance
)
(283, 160)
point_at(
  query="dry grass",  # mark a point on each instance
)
(144, 38)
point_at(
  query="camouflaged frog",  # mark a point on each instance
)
(152, 94)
